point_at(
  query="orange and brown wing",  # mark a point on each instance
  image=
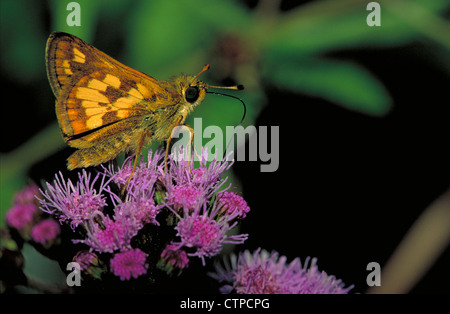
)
(100, 100)
(107, 143)
(93, 90)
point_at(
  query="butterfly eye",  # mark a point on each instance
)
(191, 94)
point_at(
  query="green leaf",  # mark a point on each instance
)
(11, 181)
(155, 36)
(40, 268)
(326, 25)
(165, 32)
(225, 15)
(343, 83)
(90, 11)
(21, 40)
(15, 164)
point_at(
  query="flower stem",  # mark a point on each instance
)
(419, 249)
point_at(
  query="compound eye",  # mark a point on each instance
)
(191, 94)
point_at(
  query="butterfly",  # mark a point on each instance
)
(105, 108)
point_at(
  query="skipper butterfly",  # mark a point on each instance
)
(105, 108)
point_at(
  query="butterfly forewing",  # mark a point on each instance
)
(98, 100)
(93, 90)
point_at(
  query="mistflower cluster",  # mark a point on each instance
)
(28, 221)
(129, 264)
(24, 212)
(164, 216)
(45, 231)
(73, 203)
(262, 272)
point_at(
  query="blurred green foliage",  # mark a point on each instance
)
(257, 47)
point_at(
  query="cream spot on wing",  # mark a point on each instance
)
(78, 56)
(121, 114)
(143, 90)
(112, 80)
(95, 111)
(124, 103)
(89, 104)
(91, 94)
(96, 84)
(78, 59)
(94, 122)
(68, 71)
(133, 92)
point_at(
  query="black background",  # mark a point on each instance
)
(349, 186)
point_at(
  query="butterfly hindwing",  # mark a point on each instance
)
(98, 147)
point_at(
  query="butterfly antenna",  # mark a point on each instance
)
(205, 68)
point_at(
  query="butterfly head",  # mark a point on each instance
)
(193, 91)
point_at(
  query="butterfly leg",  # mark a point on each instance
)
(190, 144)
(191, 141)
(138, 150)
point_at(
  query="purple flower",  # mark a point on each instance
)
(206, 178)
(205, 232)
(230, 202)
(45, 231)
(202, 233)
(129, 264)
(268, 273)
(27, 195)
(106, 235)
(187, 196)
(211, 174)
(74, 203)
(136, 213)
(21, 216)
(144, 176)
(139, 207)
(199, 175)
(173, 258)
(85, 259)
(113, 237)
(90, 263)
